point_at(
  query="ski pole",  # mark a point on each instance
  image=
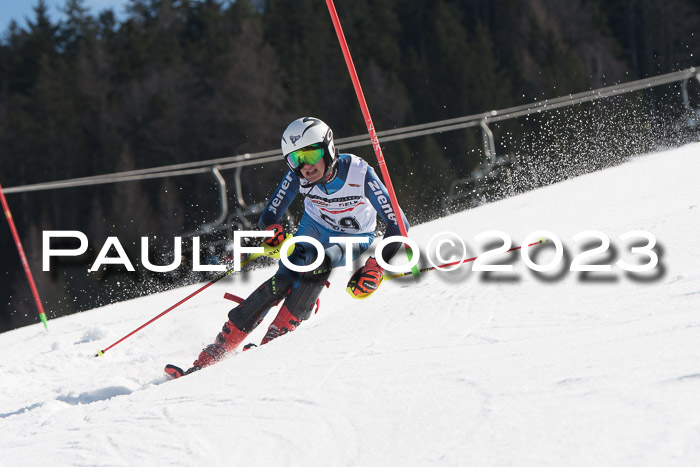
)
(441, 266)
(370, 127)
(271, 252)
(23, 258)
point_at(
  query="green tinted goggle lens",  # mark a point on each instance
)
(309, 156)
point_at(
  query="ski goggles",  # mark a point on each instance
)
(308, 155)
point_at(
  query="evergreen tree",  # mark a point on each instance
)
(180, 81)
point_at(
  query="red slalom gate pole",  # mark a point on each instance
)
(23, 258)
(370, 125)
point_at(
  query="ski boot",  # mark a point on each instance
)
(242, 320)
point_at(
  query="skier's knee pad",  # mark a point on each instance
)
(301, 300)
(248, 314)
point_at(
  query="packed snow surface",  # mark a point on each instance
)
(459, 368)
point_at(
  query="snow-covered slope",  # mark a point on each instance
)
(461, 368)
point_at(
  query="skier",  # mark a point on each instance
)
(342, 197)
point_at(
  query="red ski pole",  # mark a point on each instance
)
(453, 263)
(23, 258)
(370, 125)
(270, 252)
(101, 353)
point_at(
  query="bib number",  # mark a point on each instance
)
(342, 224)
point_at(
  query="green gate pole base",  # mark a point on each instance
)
(414, 270)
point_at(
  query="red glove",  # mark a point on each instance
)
(277, 238)
(366, 279)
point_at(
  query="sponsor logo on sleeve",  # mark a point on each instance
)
(383, 201)
(281, 193)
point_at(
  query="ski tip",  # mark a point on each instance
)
(173, 371)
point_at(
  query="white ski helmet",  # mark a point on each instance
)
(304, 132)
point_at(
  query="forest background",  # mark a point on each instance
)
(175, 81)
